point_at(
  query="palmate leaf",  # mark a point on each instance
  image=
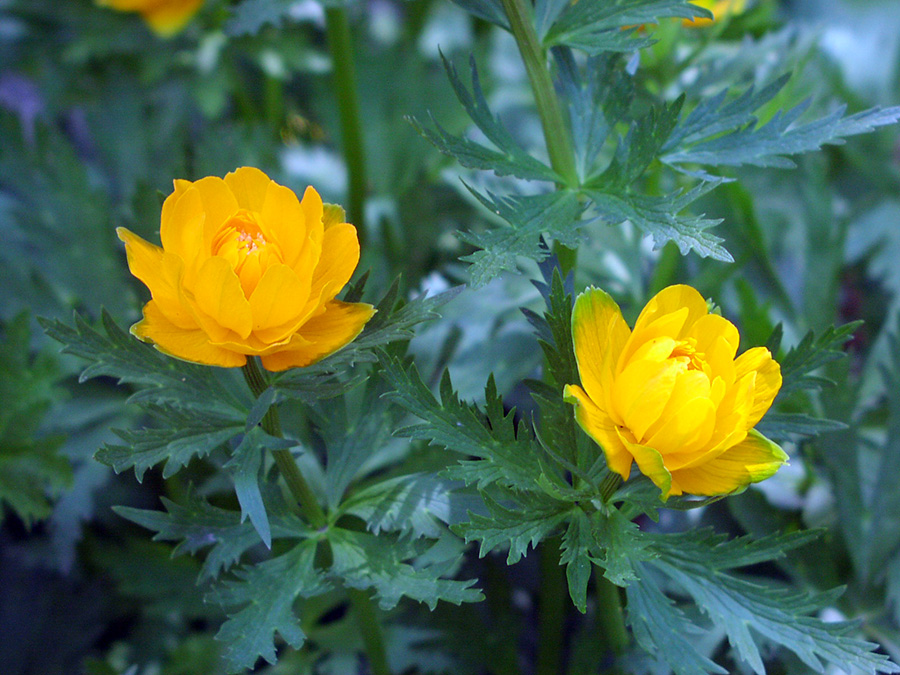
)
(526, 519)
(768, 145)
(164, 379)
(799, 364)
(181, 437)
(596, 26)
(365, 561)
(658, 217)
(509, 159)
(508, 455)
(555, 214)
(696, 562)
(195, 525)
(265, 594)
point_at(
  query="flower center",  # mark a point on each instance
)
(242, 242)
(685, 352)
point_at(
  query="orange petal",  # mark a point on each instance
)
(754, 459)
(161, 273)
(167, 18)
(325, 334)
(599, 333)
(315, 214)
(189, 345)
(284, 222)
(249, 186)
(767, 382)
(219, 296)
(599, 426)
(181, 226)
(338, 260)
(278, 299)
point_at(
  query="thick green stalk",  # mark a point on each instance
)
(283, 458)
(340, 43)
(610, 617)
(556, 132)
(365, 612)
(367, 619)
(551, 610)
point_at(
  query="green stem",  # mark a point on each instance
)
(610, 617)
(609, 486)
(285, 461)
(551, 610)
(367, 620)
(340, 43)
(556, 132)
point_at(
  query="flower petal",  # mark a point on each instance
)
(651, 464)
(219, 296)
(335, 328)
(315, 214)
(767, 382)
(284, 221)
(669, 301)
(599, 332)
(338, 260)
(168, 18)
(182, 223)
(642, 391)
(754, 459)
(686, 431)
(249, 186)
(161, 274)
(599, 426)
(189, 345)
(277, 300)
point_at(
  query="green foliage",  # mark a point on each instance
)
(32, 470)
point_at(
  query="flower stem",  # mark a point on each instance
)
(551, 610)
(285, 461)
(367, 619)
(556, 132)
(340, 43)
(610, 617)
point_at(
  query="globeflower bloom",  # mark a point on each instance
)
(165, 17)
(670, 394)
(247, 269)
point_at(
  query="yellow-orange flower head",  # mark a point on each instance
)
(246, 269)
(671, 396)
(165, 17)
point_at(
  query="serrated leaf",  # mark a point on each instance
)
(658, 217)
(121, 356)
(510, 159)
(596, 26)
(662, 629)
(811, 354)
(795, 426)
(244, 467)
(196, 525)
(489, 10)
(179, 438)
(555, 214)
(365, 561)
(266, 593)
(779, 614)
(527, 522)
(576, 554)
(771, 144)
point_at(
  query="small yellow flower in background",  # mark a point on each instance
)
(165, 17)
(247, 269)
(671, 396)
(719, 8)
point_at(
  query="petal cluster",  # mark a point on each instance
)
(165, 17)
(670, 394)
(247, 269)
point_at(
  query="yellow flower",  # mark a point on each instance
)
(671, 396)
(719, 8)
(165, 17)
(247, 269)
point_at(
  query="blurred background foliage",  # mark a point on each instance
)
(98, 115)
